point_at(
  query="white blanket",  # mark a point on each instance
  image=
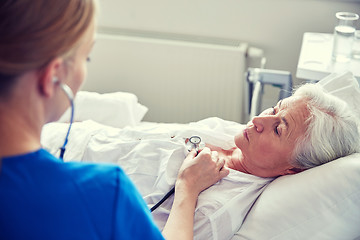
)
(151, 155)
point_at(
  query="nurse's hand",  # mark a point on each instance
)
(200, 172)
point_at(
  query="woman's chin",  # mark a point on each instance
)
(239, 139)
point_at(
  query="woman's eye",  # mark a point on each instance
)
(276, 131)
(273, 111)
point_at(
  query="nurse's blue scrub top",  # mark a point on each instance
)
(43, 198)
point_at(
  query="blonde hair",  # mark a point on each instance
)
(32, 33)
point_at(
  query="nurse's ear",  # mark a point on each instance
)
(47, 74)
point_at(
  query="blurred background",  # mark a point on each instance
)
(275, 26)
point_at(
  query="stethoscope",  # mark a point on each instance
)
(70, 95)
(192, 143)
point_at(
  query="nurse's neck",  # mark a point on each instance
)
(17, 136)
(20, 128)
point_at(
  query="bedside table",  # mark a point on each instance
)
(315, 60)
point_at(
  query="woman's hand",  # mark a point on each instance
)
(200, 172)
(196, 174)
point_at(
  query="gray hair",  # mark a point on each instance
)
(332, 129)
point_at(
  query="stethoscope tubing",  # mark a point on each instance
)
(195, 140)
(69, 94)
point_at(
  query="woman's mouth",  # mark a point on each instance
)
(246, 134)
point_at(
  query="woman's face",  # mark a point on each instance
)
(269, 139)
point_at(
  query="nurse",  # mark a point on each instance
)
(45, 45)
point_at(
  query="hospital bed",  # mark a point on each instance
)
(320, 203)
(258, 78)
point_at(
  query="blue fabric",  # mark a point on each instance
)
(43, 198)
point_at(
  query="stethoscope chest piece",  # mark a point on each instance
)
(194, 142)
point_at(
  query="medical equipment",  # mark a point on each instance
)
(69, 94)
(191, 143)
(194, 143)
(257, 78)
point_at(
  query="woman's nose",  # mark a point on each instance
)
(262, 122)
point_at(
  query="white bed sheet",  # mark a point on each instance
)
(320, 203)
(151, 155)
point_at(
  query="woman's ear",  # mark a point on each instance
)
(47, 76)
(293, 171)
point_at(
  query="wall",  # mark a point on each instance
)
(276, 26)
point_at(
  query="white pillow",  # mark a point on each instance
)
(320, 203)
(344, 86)
(118, 109)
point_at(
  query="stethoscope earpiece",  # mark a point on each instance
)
(55, 79)
(69, 93)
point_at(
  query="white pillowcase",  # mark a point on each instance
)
(344, 86)
(118, 109)
(319, 203)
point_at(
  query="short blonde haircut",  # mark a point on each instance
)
(32, 33)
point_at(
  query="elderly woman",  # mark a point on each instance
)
(44, 46)
(303, 131)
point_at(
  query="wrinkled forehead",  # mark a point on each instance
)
(294, 103)
(295, 112)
